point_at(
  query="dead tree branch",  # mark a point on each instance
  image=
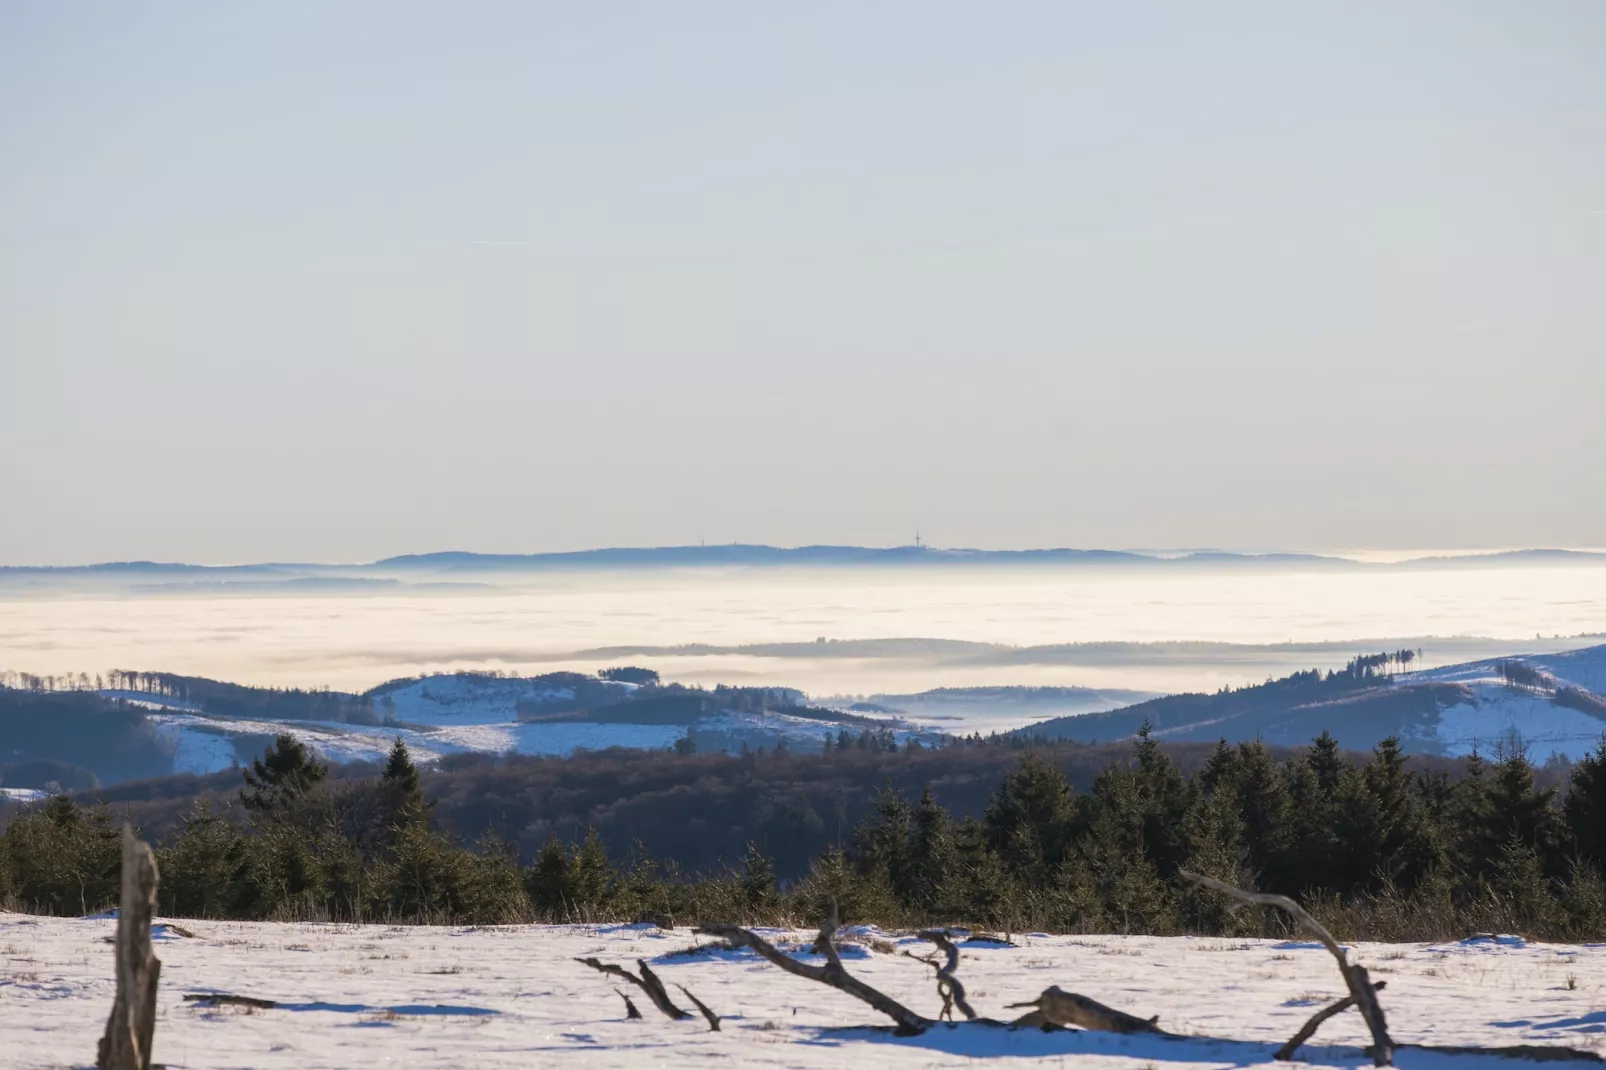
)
(1308, 1030)
(948, 985)
(713, 1019)
(1355, 977)
(131, 1028)
(648, 982)
(832, 973)
(630, 1007)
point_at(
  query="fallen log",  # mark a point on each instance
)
(126, 1044)
(832, 973)
(1058, 1007)
(225, 999)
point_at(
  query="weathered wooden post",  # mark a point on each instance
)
(127, 1043)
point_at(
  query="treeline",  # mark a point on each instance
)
(212, 696)
(256, 703)
(1378, 849)
(1520, 676)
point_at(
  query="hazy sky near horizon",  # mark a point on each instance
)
(332, 281)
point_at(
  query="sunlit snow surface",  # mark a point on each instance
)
(1497, 715)
(451, 714)
(373, 996)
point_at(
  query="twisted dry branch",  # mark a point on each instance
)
(648, 982)
(1308, 1030)
(1361, 989)
(949, 986)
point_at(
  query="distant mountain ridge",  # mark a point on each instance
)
(756, 555)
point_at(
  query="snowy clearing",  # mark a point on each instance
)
(358, 996)
(1497, 714)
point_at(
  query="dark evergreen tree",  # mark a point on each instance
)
(758, 882)
(1316, 783)
(401, 788)
(550, 881)
(931, 853)
(1029, 820)
(591, 876)
(1524, 812)
(1585, 808)
(1162, 798)
(881, 844)
(286, 771)
(1264, 806)
(202, 868)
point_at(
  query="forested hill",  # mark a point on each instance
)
(1480, 705)
(1358, 705)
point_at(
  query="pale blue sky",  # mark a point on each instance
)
(338, 280)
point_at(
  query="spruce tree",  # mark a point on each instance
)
(1585, 808)
(1162, 797)
(286, 771)
(758, 882)
(1316, 783)
(550, 881)
(401, 788)
(1405, 847)
(881, 843)
(202, 867)
(1267, 819)
(1522, 813)
(931, 853)
(1029, 820)
(592, 876)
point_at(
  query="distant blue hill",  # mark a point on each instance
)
(743, 554)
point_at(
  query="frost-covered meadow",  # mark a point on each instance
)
(370, 995)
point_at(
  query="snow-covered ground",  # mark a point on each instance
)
(457, 713)
(470, 698)
(1495, 714)
(21, 795)
(371, 996)
(206, 744)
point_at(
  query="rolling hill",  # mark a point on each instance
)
(1450, 711)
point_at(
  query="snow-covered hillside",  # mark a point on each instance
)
(468, 712)
(474, 698)
(369, 996)
(1495, 714)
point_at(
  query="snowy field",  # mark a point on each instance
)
(377, 996)
(1496, 713)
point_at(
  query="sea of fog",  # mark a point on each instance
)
(983, 627)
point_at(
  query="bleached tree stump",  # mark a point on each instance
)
(132, 1026)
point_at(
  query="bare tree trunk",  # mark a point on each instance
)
(132, 1026)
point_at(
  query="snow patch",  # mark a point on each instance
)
(508, 997)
